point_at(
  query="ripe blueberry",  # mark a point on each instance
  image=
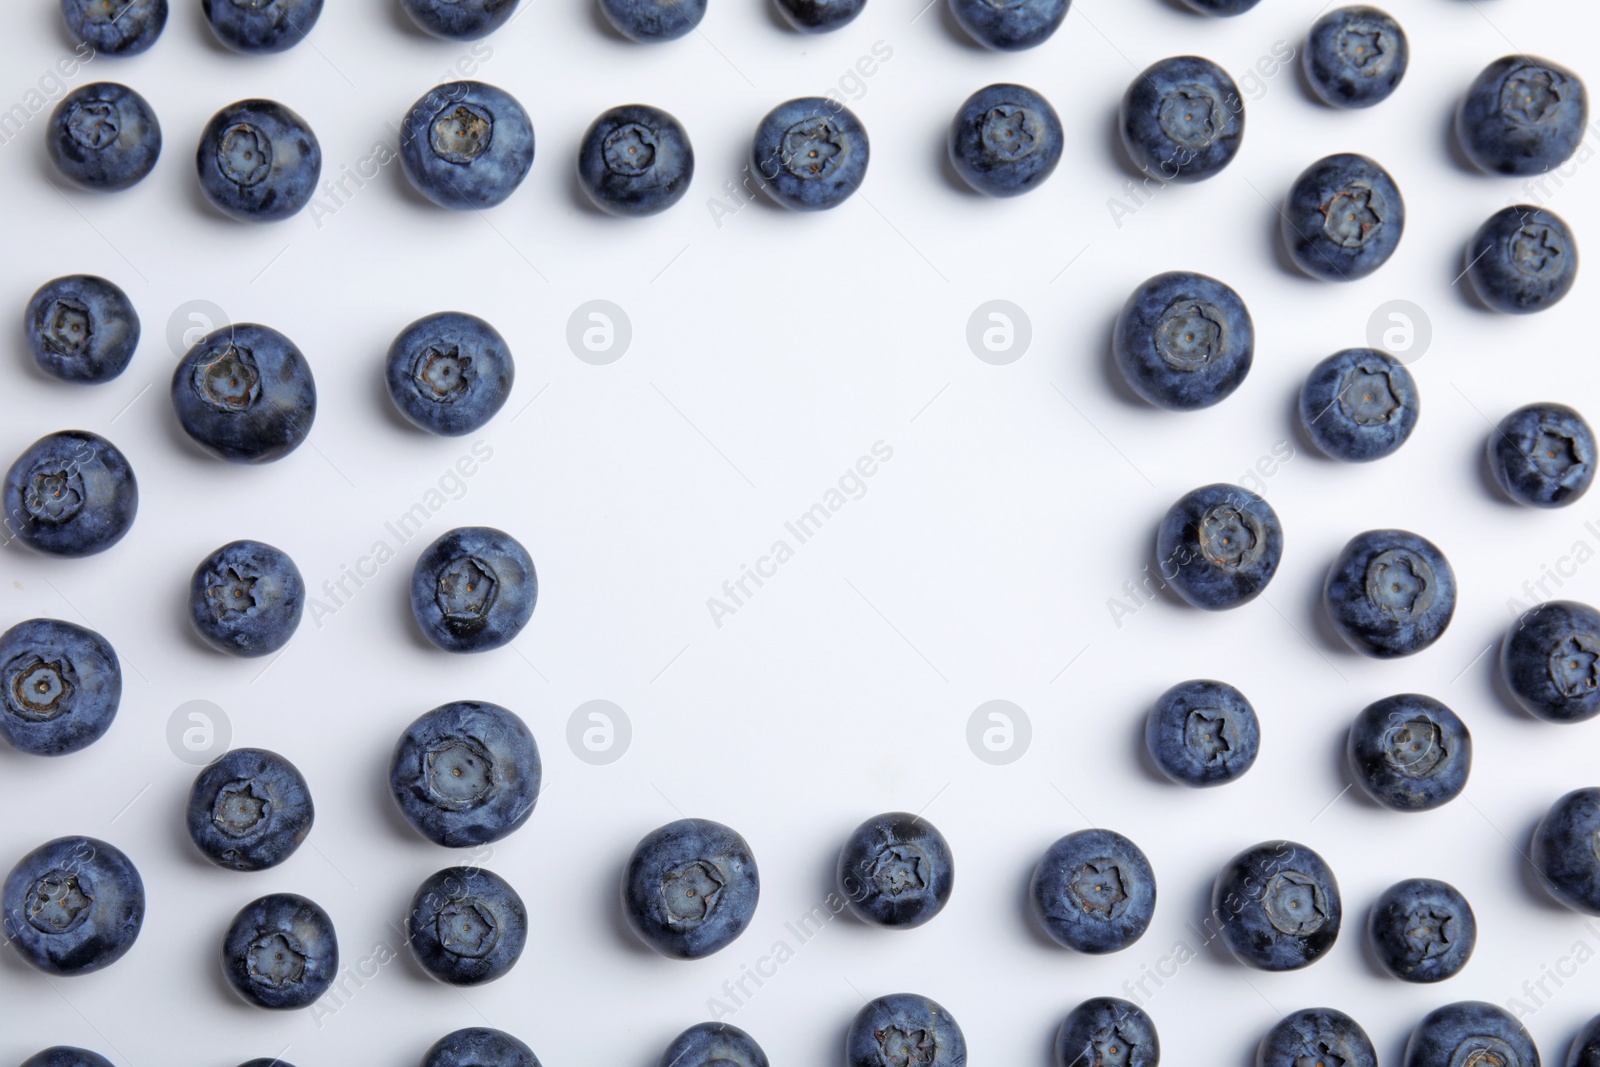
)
(479, 1046)
(1093, 891)
(635, 160)
(1223, 8)
(1279, 906)
(73, 905)
(690, 888)
(249, 810)
(280, 952)
(1356, 56)
(1390, 593)
(1470, 1032)
(449, 373)
(261, 26)
(1010, 25)
(1543, 455)
(1183, 341)
(104, 136)
(245, 394)
(70, 494)
(1584, 1051)
(1343, 219)
(1566, 850)
(1359, 405)
(466, 145)
(1202, 733)
(820, 16)
(258, 161)
(246, 599)
(460, 20)
(473, 589)
(63, 686)
(896, 871)
(115, 27)
(1005, 140)
(1106, 1031)
(467, 926)
(1523, 259)
(1219, 546)
(466, 773)
(1422, 930)
(1182, 119)
(810, 153)
(1410, 752)
(82, 329)
(1550, 661)
(649, 21)
(1522, 115)
(66, 1056)
(1319, 1036)
(904, 1028)
(714, 1045)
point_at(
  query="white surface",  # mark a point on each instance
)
(769, 353)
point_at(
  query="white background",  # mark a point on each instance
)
(768, 354)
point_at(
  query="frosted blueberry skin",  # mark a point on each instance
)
(104, 137)
(1566, 850)
(115, 27)
(459, 20)
(258, 161)
(70, 494)
(1279, 906)
(1470, 1032)
(1219, 546)
(1355, 57)
(245, 394)
(649, 21)
(63, 685)
(473, 590)
(1410, 752)
(1010, 25)
(1202, 733)
(1522, 260)
(1093, 891)
(66, 1056)
(1182, 119)
(246, 599)
(467, 926)
(635, 160)
(479, 1046)
(1585, 1048)
(714, 1045)
(1522, 115)
(1184, 341)
(896, 870)
(1222, 8)
(690, 888)
(449, 373)
(280, 952)
(810, 153)
(1550, 661)
(466, 145)
(1005, 140)
(1107, 1030)
(1390, 593)
(73, 905)
(249, 810)
(1422, 930)
(820, 16)
(1316, 1036)
(904, 1028)
(466, 773)
(1343, 219)
(82, 328)
(1359, 405)
(261, 26)
(1543, 455)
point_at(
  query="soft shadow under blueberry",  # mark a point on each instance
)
(409, 192)
(581, 199)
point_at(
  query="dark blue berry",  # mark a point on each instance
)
(1522, 115)
(1182, 119)
(479, 1046)
(896, 870)
(1005, 140)
(1543, 455)
(1343, 219)
(261, 26)
(449, 373)
(82, 329)
(1202, 733)
(460, 20)
(904, 1028)
(690, 888)
(1359, 405)
(1222, 8)
(66, 1056)
(466, 773)
(1107, 1031)
(1279, 906)
(104, 136)
(1390, 593)
(1184, 341)
(1315, 1037)
(1093, 891)
(246, 599)
(466, 145)
(1219, 546)
(245, 394)
(1356, 56)
(635, 160)
(649, 21)
(258, 161)
(63, 686)
(1550, 661)
(1010, 25)
(1410, 752)
(73, 905)
(1422, 930)
(467, 926)
(820, 16)
(280, 952)
(249, 810)
(1566, 850)
(1523, 259)
(70, 494)
(810, 153)
(1585, 1048)
(1470, 1032)
(473, 590)
(115, 27)
(714, 1045)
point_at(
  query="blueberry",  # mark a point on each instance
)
(73, 905)
(466, 145)
(902, 1029)
(467, 926)
(1219, 546)
(1182, 119)
(70, 494)
(1422, 930)
(1005, 140)
(479, 1046)
(1566, 850)
(820, 16)
(267, 1062)
(66, 1056)
(460, 20)
(1221, 8)
(104, 136)
(449, 373)
(1470, 1032)
(1356, 56)
(690, 889)
(82, 329)
(249, 810)
(1316, 1036)
(246, 599)
(280, 952)
(1584, 1052)
(1202, 733)
(1279, 906)
(245, 394)
(473, 590)
(1550, 661)
(714, 1045)
(1522, 115)
(1522, 260)
(115, 27)
(258, 161)
(810, 153)
(63, 685)
(1093, 891)
(1542, 455)
(1390, 593)
(649, 21)
(1184, 341)
(1343, 219)
(466, 773)
(635, 160)
(1359, 405)
(896, 870)
(261, 26)
(1410, 752)
(1010, 25)
(1106, 1031)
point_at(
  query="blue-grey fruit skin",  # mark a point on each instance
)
(1182, 119)
(1093, 891)
(820, 16)
(82, 328)
(1422, 930)
(1316, 1036)
(810, 153)
(690, 888)
(1522, 260)
(1005, 140)
(479, 1046)
(267, 1062)
(246, 599)
(449, 373)
(249, 810)
(280, 952)
(1222, 8)
(1356, 56)
(1410, 752)
(1010, 25)
(1279, 906)
(261, 26)
(650, 21)
(904, 1028)
(115, 27)
(1105, 1031)
(1522, 115)
(1184, 341)
(1543, 455)
(258, 161)
(245, 394)
(1584, 1051)
(73, 905)
(1470, 1032)
(1550, 661)
(635, 160)
(1390, 593)
(66, 1056)
(71, 494)
(1564, 850)
(1219, 546)
(460, 20)
(63, 685)
(896, 870)
(1202, 733)
(1359, 405)
(467, 926)
(466, 773)
(466, 145)
(473, 590)
(104, 137)
(713, 1045)
(1343, 218)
